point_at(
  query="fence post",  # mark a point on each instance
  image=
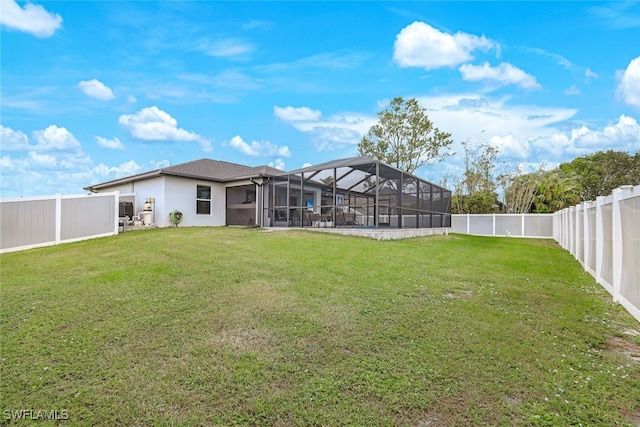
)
(572, 231)
(599, 238)
(116, 225)
(565, 229)
(522, 225)
(493, 232)
(58, 218)
(586, 242)
(579, 234)
(468, 223)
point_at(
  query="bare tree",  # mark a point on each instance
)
(520, 190)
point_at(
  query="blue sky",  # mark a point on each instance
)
(93, 91)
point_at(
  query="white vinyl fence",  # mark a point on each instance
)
(29, 222)
(515, 225)
(604, 236)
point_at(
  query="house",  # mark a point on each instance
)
(352, 192)
(207, 192)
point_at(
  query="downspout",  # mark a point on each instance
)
(377, 205)
(335, 197)
(260, 196)
(400, 200)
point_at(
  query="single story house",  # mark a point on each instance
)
(207, 192)
(353, 192)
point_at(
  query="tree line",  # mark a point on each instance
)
(407, 139)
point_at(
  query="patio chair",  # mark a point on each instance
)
(314, 219)
(280, 215)
(294, 217)
(350, 218)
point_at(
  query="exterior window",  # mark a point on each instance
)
(203, 200)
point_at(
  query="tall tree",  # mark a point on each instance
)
(520, 190)
(541, 191)
(556, 190)
(602, 172)
(405, 137)
(476, 192)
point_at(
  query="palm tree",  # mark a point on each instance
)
(556, 190)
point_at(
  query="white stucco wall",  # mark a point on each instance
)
(181, 195)
(173, 193)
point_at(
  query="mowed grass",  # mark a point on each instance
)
(229, 326)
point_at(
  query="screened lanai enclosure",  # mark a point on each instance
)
(355, 192)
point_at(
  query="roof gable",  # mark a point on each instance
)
(216, 170)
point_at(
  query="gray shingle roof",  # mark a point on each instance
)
(216, 170)
(205, 169)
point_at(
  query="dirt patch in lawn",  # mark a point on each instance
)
(626, 347)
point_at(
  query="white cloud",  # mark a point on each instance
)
(55, 138)
(32, 19)
(509, 146)
(153, 124)
(525, 134)
(131, 99)
(234, 49)
(573, 90)
(45, 160)
(160, 164)
(617, 15)
(590, 74)
(56, 164)
(504, 74)
(629, 83)
(333, 132)
(114, 172)
(559, 59)
(114, 143)
(421, 45)
(259, 148)
(290, 114)
(467, 115)
(329, 60)
(278, 164)
(624, 135)
(54, 146)
(10, 164)
(13, 140)
(205, 145)
(96, 89)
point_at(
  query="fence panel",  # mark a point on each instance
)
(514, 225)
(27, 222)
(580, 234)
(42, 221)
(508, 225)
(605, 237)
(459, 224)
(87, 216)
(591, 230)
(630, 277)
(481, 224)
(606, 266)
(538, 226)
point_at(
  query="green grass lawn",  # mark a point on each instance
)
(229, 326)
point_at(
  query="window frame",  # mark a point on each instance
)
(201, 202)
